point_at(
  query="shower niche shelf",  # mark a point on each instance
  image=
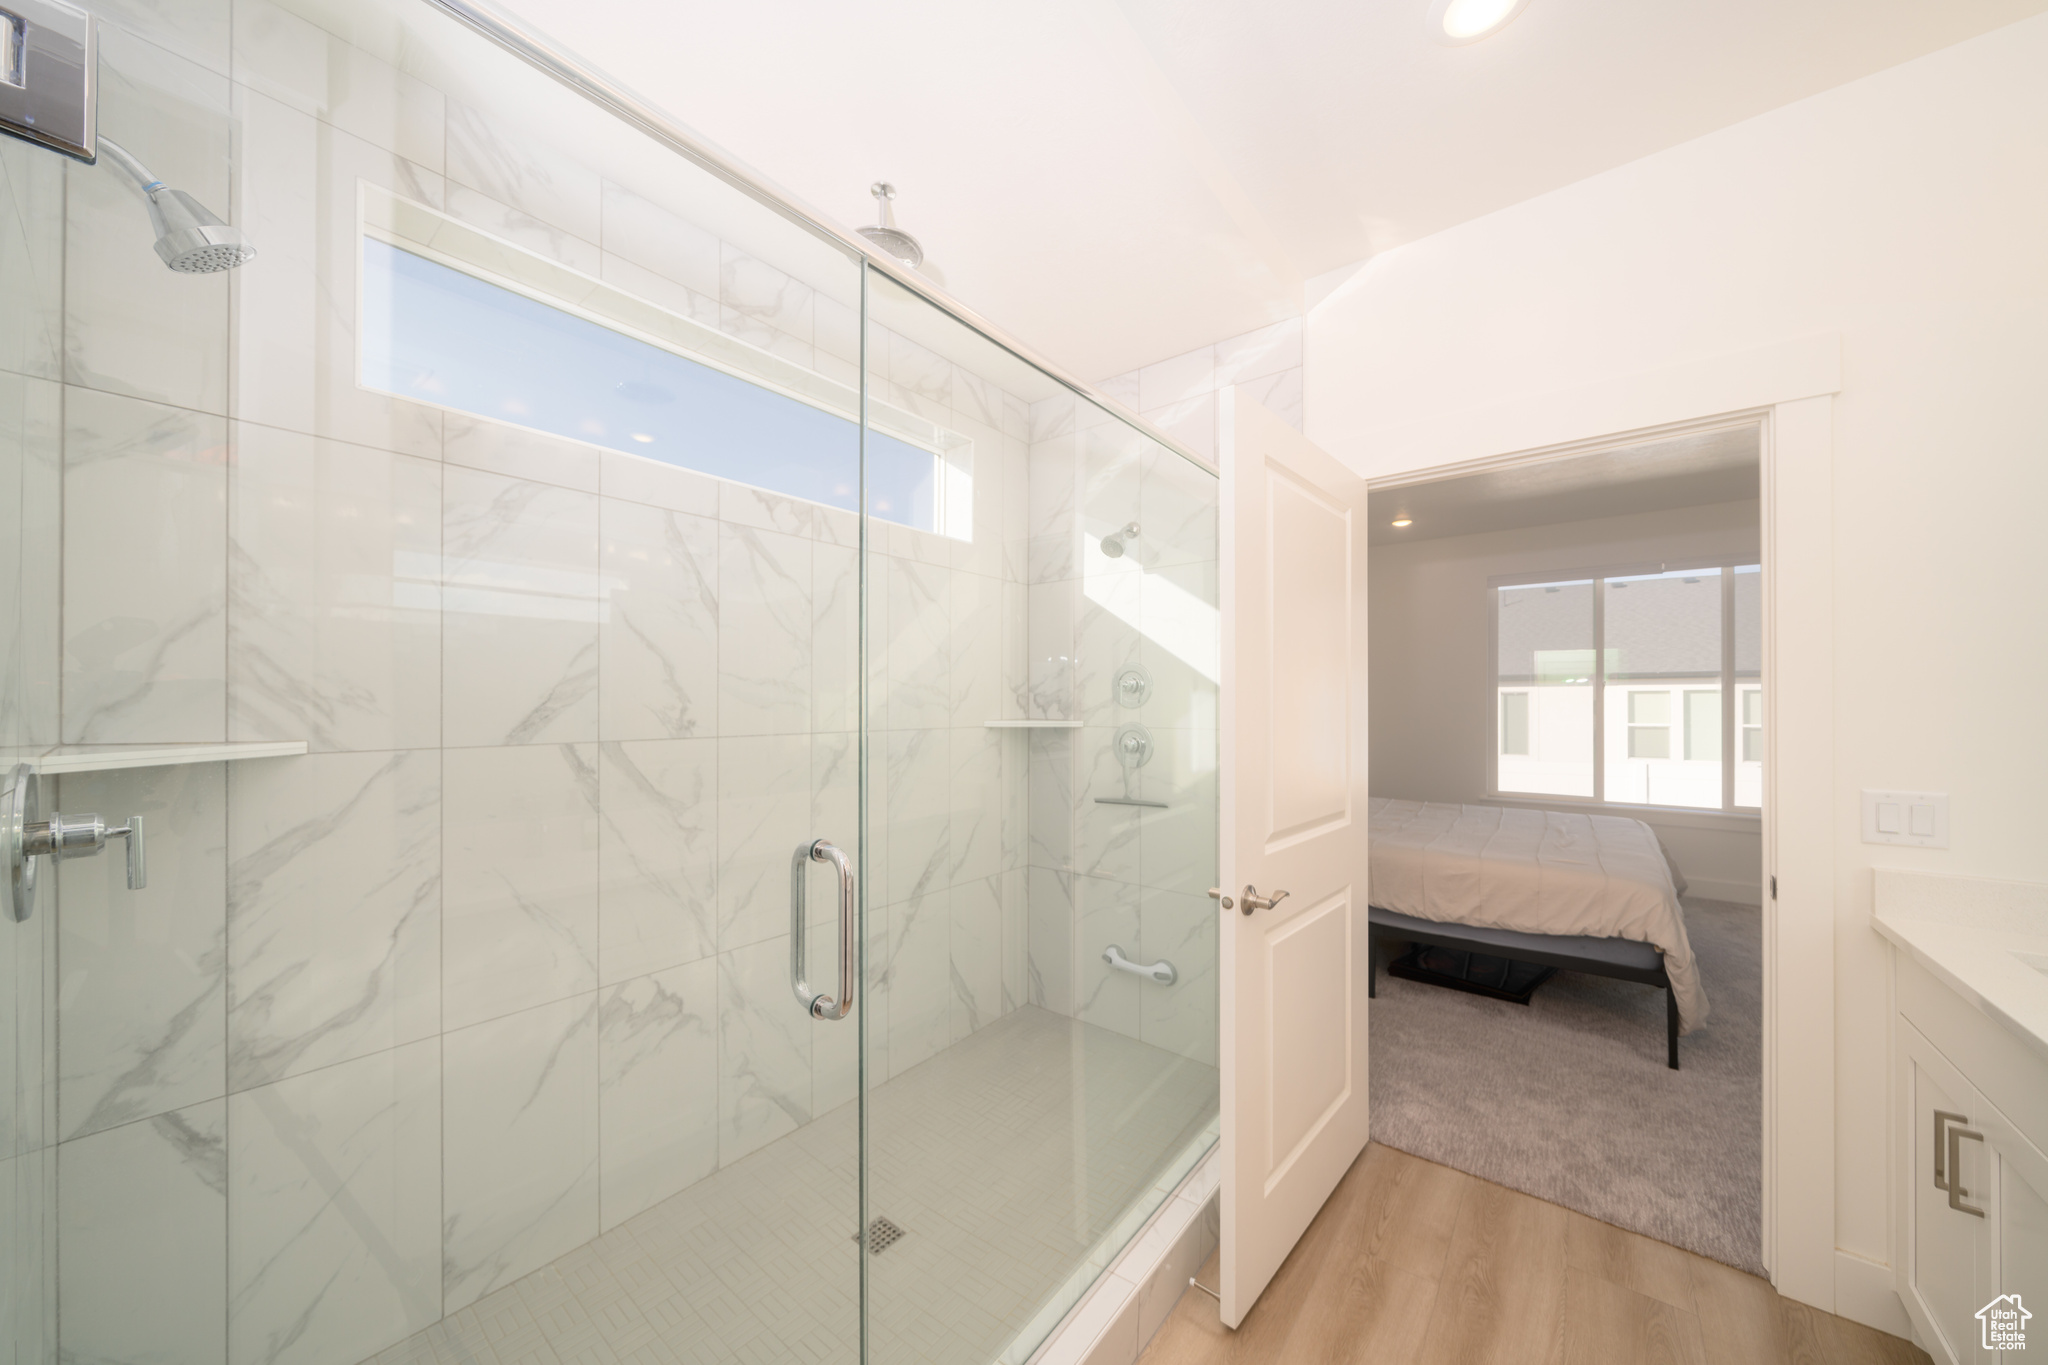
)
(1031, 724)
(100, 758)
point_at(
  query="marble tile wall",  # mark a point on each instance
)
(504, 959)
(1178, 396)
(1101, 874)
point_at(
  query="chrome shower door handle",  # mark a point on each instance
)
(820, 1006)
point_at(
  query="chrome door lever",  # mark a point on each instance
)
(25, 836)
(816, 1005)
(1254, 901)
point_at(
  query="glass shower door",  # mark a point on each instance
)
(31, 248)
(1040, 1019)
(515, 477)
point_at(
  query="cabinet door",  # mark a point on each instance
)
(2019, 1217)
(1949, 1252)
(2023, 1241)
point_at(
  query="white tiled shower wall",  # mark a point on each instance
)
(1100, 875)
(403, 1019)
(1112, 874)
(1178, 396)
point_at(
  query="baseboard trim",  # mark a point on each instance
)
(1741, 892)
(1865, 1293)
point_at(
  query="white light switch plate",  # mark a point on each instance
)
(1917, 819)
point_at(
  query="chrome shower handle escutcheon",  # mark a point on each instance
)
(25, 836)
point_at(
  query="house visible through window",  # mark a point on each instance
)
(1546, 658)
(1649, 725)
(1514, 723)
(1637, 688)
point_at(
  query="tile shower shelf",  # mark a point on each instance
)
(1031, 724)
(98, 758)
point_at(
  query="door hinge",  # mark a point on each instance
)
(1774, 886)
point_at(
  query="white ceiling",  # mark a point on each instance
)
(1696, 470)
(1118, 182)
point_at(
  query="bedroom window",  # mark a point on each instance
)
(1649, 725)
(1514, 724)
(1634, 688)
(1702, 726)
(1544, 655)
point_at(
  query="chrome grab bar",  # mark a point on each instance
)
(816, 1005)
(1160, 971)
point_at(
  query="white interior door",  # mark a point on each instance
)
(1292, 756)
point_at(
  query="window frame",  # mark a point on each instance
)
(442, 239)
(1725, 566)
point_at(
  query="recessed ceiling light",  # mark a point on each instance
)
(1457, 22)
(1404, 521)
(643, 438)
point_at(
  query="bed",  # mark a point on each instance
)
(1590, 893)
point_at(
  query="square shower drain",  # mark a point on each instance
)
(882, 1234)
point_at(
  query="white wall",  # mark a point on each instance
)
(1432, 699)
(1906, 213)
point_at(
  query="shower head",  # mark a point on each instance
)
(189, 237)
(891, 240)
(1113, 543)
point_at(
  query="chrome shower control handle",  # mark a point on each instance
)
(85, 836)
(1254, 901)
(138, 852)
(25, 836)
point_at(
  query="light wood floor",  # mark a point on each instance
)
(1411, 1261)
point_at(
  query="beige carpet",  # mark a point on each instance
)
(1568, 1098)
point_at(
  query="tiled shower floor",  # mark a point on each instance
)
(1005, 1159)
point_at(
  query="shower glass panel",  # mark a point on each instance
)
(484, 745)
(1042, 763)
(31, 426)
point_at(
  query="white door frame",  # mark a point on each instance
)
(1788, 389)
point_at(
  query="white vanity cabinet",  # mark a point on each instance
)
(1971, 1182)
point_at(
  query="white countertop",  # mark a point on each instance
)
(1986, 940)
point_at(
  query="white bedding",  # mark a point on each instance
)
(1536, 872)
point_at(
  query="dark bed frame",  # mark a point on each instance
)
(1621, 958)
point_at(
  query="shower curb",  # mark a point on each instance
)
(1116, 1319)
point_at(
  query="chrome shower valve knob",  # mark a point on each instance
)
(84, 836)
(25, 836)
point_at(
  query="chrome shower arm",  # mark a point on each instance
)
(125, 159)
